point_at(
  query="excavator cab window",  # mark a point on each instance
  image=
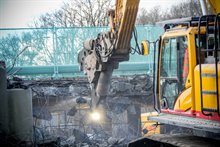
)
(174, 69)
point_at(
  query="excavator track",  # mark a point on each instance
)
(177, 140)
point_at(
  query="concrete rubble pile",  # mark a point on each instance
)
(61, 112)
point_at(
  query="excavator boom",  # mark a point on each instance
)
(126, 12)
(102, 55)
(210, 6)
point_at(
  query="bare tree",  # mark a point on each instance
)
(149, 17)
(184, 9)
(77, 13)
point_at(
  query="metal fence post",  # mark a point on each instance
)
(55, 52)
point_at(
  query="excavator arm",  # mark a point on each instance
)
(102, 55)
(210, 6)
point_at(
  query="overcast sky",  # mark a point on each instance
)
(20, 13)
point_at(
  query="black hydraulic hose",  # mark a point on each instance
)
(154, 72)
(216, 56)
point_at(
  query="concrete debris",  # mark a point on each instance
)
(105, 144)
(78, 90)
(80, 136)
(41, 113)
(81, 100)
(64, 100)
(133, 85)
(79, 139)
(112, 141)
(132, 110)
(117, 108)
(72, 111)
(117, 87)
(85, 145)
(71, 140)
(121, 140)
(59, 88)
(38, 136)
(16, 82)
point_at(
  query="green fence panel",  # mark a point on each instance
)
(51, 50)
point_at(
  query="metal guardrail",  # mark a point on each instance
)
(53, 51)
(73, 70)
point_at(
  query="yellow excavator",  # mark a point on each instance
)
(186, 66)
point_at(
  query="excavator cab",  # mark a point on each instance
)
(186, 92)
(187, 74)
(173, 69)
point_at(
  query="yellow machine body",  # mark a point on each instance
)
(189, 100)
(209, 87)
(215, 6)
(149, 125)
(185, 101)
